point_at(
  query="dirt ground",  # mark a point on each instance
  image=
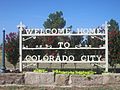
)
(27, 87)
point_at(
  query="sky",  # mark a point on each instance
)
(78, 13)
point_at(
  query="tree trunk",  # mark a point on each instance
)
(14, 67)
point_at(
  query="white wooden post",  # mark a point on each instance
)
(20, 27)
(106, 46)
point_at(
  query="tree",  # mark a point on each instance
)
(114, 43)
(55, 20)
(76, 40)
(12, 48)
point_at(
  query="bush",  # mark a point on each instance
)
(12, 48)
(81, 73)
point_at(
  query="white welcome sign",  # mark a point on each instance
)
(33, 33)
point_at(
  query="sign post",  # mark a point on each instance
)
(3, 68)
(21, 27)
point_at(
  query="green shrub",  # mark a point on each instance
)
(81, 73)
(40, 70)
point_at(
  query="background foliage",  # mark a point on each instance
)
(56, 20)
(12, 48)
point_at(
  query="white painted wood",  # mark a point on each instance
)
(22, 47)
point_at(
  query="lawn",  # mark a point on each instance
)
(53, 66)
(67, 66)
(8, 65)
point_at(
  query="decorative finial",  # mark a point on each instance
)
(21, 25)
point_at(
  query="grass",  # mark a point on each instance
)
(54, 66)
(8, 65)
(44, 65)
